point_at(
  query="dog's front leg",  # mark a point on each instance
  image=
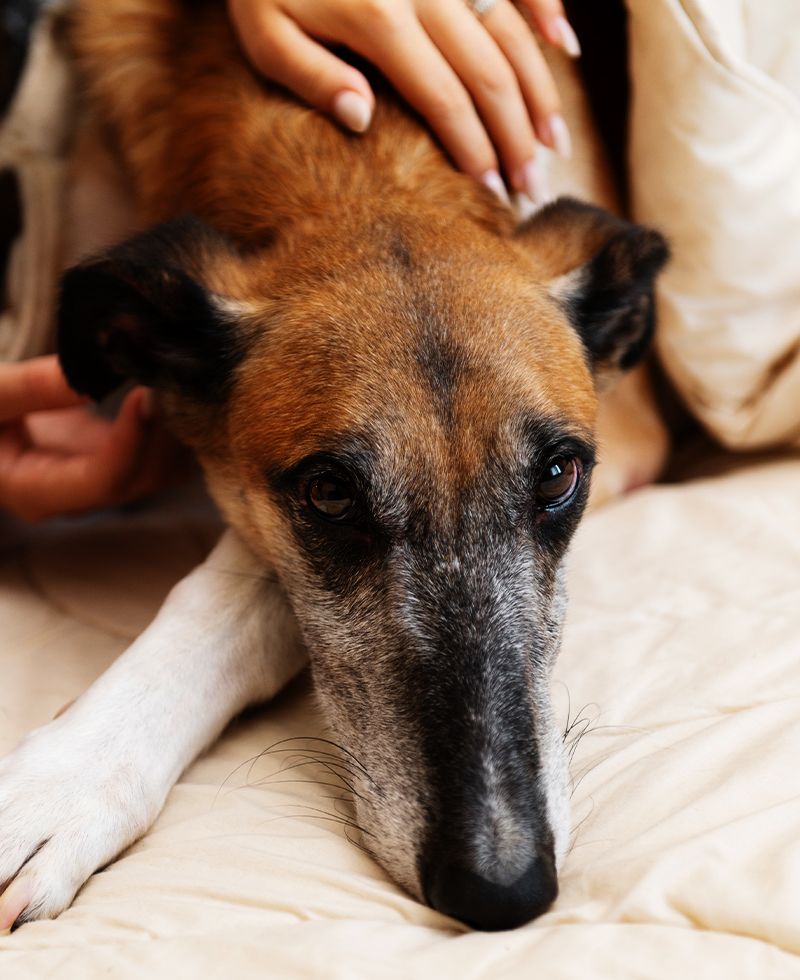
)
(80, 789)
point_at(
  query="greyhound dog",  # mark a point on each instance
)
(392, 390)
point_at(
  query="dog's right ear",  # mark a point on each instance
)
(602, 271)
(143, 311)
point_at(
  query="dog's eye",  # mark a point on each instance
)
(331, 497)
(559, 482)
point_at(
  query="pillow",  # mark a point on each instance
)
(715, 164)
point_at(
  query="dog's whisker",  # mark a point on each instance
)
(579, 716)
(252, 760)
(569, 707)
(307, 756)
(287, 782)
(355, 843)
(324, 815)
(581, 822)
(580, 723)
(339, 747)
(309, 759)
(589, 769)
(312, 816)
(326, 741)
(330, 759)
(336, 745)
(267, 781)
(318, 762)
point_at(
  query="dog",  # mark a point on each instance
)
(392, 388)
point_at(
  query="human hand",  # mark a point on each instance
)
(58, 457)
(481, 82)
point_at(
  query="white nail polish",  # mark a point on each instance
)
(494, 182)
(352, 110)
(534, 181)
(559, 135)
(524, 207)
(569, 39)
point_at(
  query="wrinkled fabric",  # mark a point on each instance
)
(715, 163)
(679, 676)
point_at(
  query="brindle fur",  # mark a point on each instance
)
(363, 307)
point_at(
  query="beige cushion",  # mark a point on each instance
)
(682, 653)
(715, 163)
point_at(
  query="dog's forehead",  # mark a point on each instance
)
(442, 355)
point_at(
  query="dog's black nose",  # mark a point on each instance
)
(483, 904)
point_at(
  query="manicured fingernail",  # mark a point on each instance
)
(524, 207)
(352, 110)
(14, 901)
(560, 139)
(567, 38)
(494, 182)
(534, 183)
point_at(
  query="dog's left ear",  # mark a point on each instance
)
(602, 270)
(146, 311)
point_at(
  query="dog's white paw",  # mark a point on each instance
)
(68, 806)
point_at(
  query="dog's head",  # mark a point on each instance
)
(402, 425)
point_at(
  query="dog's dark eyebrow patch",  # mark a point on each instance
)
(400, 252)
(541, 434)
(442, 364)
(351, 453)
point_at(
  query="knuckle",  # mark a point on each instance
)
(448, 103)
(376, 15)
(496, 82)
(545, 95)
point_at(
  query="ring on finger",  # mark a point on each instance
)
(480, 7)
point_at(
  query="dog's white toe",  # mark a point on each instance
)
(66, 809)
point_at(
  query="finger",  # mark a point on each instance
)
(112, 469)
(551, 20)
(34, 385)
(489, 78)
(141, 455)
(508, 28)
(414, 65)
(282, 51)
(66, 430)
(36, 484)
(162, 462)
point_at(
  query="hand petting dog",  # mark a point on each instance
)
(473, 70)
(58, 457)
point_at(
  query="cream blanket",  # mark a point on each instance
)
(681, 656)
